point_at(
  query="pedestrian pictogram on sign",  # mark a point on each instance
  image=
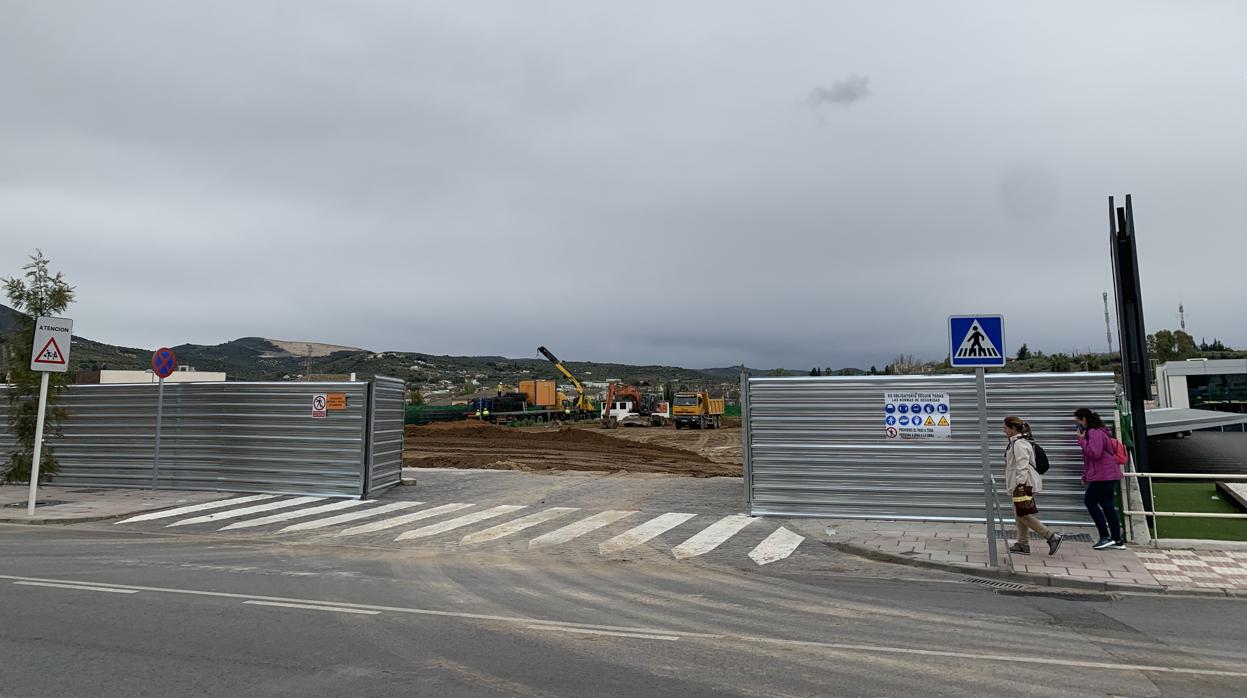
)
(976, 340)
(320, 406)
(50, 354)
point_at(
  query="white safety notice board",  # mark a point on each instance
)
(917, 415)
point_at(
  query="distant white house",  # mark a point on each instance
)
(184, 374)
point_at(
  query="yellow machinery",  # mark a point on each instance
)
(698, 411)
(582, 398)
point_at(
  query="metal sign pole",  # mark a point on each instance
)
(989, 496)
(34, 464)
(160, 409)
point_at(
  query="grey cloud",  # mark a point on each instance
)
(481, 178)
(843, 93)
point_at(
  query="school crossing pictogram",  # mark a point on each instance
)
(50, 354)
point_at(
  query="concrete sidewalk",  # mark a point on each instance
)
(66, 505)
(963, 547)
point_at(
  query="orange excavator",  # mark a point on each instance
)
(626, 406)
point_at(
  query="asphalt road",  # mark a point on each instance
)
(106, 612)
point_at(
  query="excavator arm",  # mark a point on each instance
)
(582, 398)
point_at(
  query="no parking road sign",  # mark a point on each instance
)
(164, 362)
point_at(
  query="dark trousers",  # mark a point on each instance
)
(1099, 500)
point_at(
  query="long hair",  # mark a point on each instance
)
(1093, 419)
(1017, 424)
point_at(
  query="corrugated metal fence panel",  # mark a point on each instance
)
(7, 443)
(816, 445)
(385, 466)
(235, 437)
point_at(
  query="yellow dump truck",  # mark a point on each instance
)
(697, 410)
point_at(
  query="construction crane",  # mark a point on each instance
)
(582, 398)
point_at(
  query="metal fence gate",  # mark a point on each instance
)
(231, 437)
(815, 446)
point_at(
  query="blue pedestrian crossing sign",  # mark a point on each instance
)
(976, 340)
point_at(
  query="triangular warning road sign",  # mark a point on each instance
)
(943, 421)
(976, 344)
(50, 354)
(930, 422)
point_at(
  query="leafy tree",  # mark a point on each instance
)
(35, 293)
(1216, 345)
(1024, 353)
(1167, 345)
(1059, 363)
(414, 396)
(815, 372)
(777, 372)
(873, 371)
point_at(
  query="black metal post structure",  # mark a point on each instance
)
(1131, 332)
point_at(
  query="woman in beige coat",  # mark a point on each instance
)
(1023, 482)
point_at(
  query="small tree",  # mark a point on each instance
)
(36, 293)
(1024, 353)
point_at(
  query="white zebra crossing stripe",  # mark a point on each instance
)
(180, 511)
(404, 519)
(581, 527)
(247, 511)
(520, 524)
(777, 546)
(643, 533)
(299, 514)
(459, 522)
(350, 516)
(711, 537)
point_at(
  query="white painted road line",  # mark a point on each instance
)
(777, 546)
(167, 513)
(460, 522)
(584, 631)
(246, 511)
(299, 513)
(404, 519)
(644, 533)
(80, 587)
(711, 537)
(834, 647)
(520, 524)
(310, 607)
(581, 527)
(351, 516)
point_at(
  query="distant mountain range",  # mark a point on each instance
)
(258, 358)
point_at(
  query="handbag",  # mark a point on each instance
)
(1024, 501)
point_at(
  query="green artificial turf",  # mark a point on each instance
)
(1196, 497)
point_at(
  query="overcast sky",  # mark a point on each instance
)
(693, 183)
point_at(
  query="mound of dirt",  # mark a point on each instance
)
(471, 444)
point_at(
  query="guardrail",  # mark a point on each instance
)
(1180, 514)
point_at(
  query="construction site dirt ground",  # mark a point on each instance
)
(583, 447)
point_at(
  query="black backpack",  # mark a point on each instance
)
(1041, 459)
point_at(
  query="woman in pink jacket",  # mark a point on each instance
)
(1100, 475)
